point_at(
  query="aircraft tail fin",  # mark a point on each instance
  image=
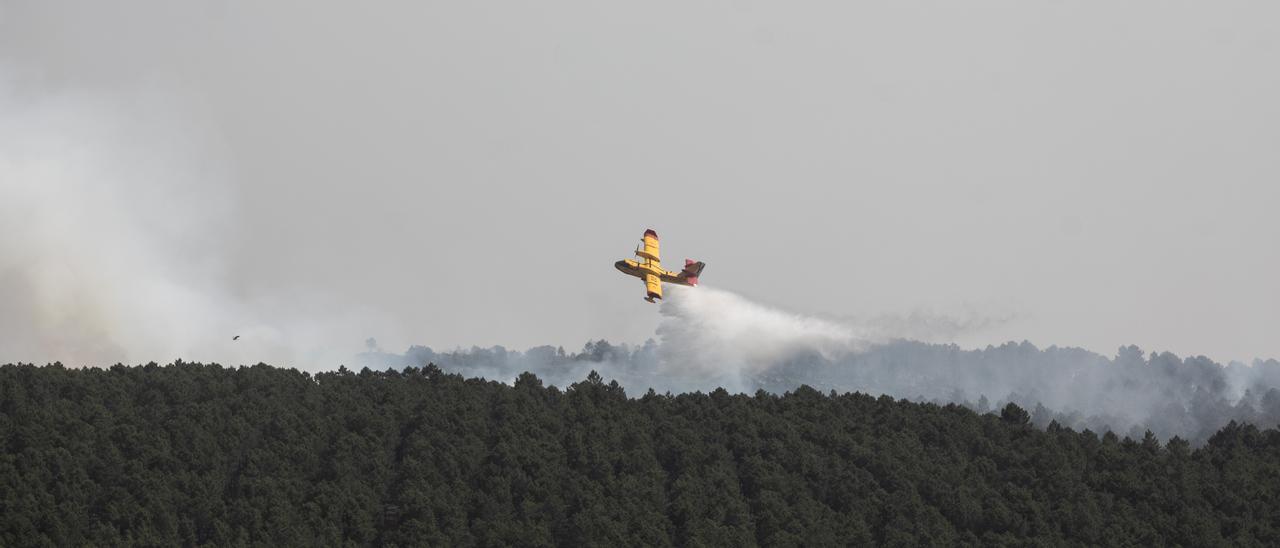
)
(692, 269)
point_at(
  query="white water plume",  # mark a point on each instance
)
(711, 334)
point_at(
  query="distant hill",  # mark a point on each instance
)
(1130, 393)
(192, 454)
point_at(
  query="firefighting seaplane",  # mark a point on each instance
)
(648, 267)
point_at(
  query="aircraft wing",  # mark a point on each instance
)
(654, 287)
(649, 247)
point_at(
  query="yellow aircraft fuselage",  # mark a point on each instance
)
(648, 267)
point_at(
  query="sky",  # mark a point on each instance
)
(465, 173)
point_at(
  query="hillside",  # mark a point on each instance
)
(1130, 393)
(191, 454)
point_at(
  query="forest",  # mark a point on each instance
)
(195, 454)
(1130, 393)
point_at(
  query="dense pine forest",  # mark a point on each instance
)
(191, 454)
(1130, 393)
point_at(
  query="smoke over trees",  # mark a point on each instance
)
(711, 339)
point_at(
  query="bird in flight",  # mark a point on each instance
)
(235, 338)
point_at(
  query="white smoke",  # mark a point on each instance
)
(710, 339)
(115, 219)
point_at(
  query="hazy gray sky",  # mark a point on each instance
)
(458, 173)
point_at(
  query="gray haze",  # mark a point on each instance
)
(711, 339)
(465, 173)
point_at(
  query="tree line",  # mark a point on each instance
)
(1129, 393)
(194, 454)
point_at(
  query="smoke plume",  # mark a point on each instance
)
(117, 221)
(710, 338)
